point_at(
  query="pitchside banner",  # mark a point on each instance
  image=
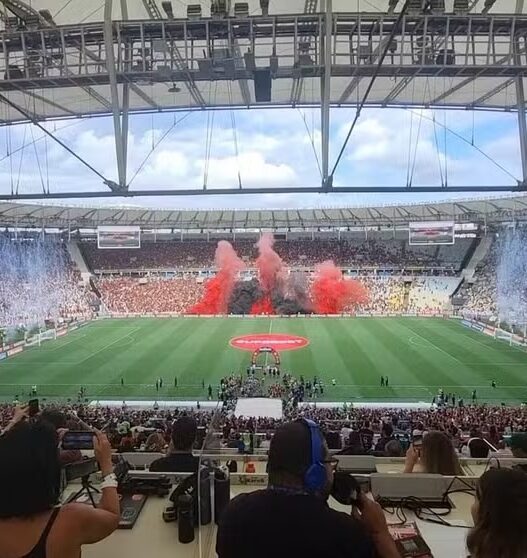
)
(118, 237)
(435, 232)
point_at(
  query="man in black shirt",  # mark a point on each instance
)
(386, 436)
(291, 518)
(180, 458)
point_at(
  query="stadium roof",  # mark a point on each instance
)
(182, 64)
(489, 210)
(66, 12)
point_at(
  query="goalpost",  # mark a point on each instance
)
(39, 337)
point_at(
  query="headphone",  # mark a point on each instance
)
(315, 477)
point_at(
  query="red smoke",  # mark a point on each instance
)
(269, 263)
(331, 293)
(263, 307)
(218, 289)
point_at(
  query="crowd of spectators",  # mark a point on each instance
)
(481, 295)
(32, 523)
(56, 292)
(385, 294)
(151, 294)
(130, 429)
(178, 295)
(192, 254)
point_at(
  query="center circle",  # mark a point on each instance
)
(278, 342)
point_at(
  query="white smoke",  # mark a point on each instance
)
(33, 279)
(511, 277)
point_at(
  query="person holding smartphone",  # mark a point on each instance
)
(432, 453)
(32, 525)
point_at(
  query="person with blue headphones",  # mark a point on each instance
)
(292, 518)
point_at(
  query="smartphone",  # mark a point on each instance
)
(78, 440)
(33, 407)
(417, 441)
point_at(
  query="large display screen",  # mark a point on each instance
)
(434, 232)
(118, 237)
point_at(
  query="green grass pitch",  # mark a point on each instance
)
(419, 355)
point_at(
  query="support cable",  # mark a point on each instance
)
(410, 137)
(210, 132)
(478, 149)
(235, 134)
(438, 150)
(38, 160)
(31, 118)
(415, 149)
(21, 159)
(11, 151)
(311, 141)
(370, 85)
(156, 145)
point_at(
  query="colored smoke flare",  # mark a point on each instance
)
(218, 290)
(270, 265)
(332, 293)
(263, 307)
(276, 290)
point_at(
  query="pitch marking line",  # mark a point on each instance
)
(77, 338)
(107, 346)
(429, 343)
(494, 344)
(269, 333)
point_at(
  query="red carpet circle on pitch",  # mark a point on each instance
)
(276, 341)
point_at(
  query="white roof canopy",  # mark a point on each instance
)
(490, 210)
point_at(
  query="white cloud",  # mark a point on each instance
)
(274, 151)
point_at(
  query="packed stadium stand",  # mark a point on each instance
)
(431, 294)
(178, 255)
(481, 292)
(459, 423)
(165, 276)
(152, 294)
(28, 292)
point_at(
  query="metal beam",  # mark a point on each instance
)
(116, 105)
(250, 191)
(153, 11)
(310, 7)
(492, 92)
(522, 125)
(502, 61)
(354, 83)
(326, 50)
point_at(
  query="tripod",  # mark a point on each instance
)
(88, 488)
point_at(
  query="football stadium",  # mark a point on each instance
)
(263, 266)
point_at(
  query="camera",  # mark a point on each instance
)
(82, 440)
(346, 489)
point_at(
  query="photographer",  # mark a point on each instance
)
(31, 524)
(292, 517)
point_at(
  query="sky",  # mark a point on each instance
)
(276, 148)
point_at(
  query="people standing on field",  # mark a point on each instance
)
(382, 381)
(157, 385)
